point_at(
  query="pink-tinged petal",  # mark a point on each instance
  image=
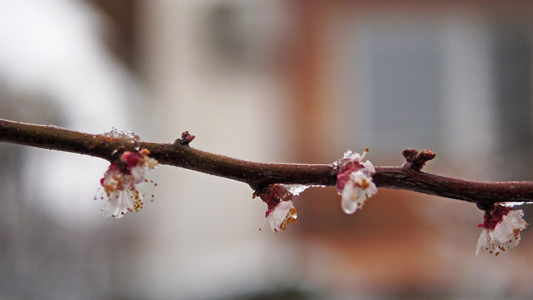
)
(131, 159)
(342, 179)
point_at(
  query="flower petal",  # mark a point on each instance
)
(516, 217)
(277, 216)
(138, 174)
(369, 166)
(350, 197)
(483, 242)
(118, 203)
(510, 225)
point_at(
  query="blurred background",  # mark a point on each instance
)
(269, 81)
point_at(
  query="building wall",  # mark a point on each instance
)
(203, 238)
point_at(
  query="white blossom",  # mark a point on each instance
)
(356, 191)
(505, 234)
(284, 213)
(120, 183)
(354, 181)
(281, 210)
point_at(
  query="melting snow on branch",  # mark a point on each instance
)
(296, 189)
(354, 181)
(128, 135)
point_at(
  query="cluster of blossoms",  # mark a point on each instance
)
(120, 183)
(281, 210)
(354, 181)
(501, 229)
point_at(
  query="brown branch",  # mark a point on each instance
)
(258, 175)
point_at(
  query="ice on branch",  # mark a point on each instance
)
(501, 229)
(128, 135)
(281, 210)
(354, 181)
(297, 189)
(120, 182)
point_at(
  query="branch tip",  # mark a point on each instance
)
(185, 139)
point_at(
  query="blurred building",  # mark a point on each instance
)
(298, 81)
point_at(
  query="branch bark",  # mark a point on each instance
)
(258, 175)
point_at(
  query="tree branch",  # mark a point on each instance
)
(258, 175)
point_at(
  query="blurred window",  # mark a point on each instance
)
(512, 60)
(401, 66)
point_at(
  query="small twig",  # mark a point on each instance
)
(416, 159)
(258, 175)
(185, 139)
